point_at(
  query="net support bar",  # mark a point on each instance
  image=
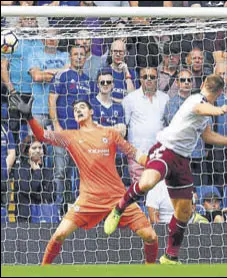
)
(163, 12)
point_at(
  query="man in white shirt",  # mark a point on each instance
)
(144, 110)
(169, 160)
(158, 203)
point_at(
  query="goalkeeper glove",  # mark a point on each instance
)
(24, 108)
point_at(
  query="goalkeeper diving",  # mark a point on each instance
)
(93, 149)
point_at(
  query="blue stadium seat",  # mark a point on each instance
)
(4, 215)
(44, 213)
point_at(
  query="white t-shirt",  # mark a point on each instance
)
(158, 198)
(186, 127)
(144, 118)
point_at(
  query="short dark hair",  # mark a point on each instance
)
(76, 46)
(105, 71)
(84, 101)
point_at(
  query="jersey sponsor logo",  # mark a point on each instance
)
(103, 152)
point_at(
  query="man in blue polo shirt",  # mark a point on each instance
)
(110, 114)
(67, 86)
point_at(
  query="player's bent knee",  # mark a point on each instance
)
(148, 235)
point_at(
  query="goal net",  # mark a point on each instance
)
(170, 40)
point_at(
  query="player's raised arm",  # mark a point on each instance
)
(213, 138)
(51, 137)
(207, 109)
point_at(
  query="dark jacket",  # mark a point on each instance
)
(32, 187)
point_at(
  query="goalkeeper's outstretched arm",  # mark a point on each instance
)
(50, 137)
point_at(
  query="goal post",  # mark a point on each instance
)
(145, 32)
(163, 12)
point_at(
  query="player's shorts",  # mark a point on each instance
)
(133, 217)
(174, 168)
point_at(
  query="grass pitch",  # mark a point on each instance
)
(199, 270)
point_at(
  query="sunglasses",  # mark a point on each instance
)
(183, 80)
(147, 76)
(105, 82)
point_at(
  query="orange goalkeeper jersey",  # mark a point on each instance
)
(94, 154)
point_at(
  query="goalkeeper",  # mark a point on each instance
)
(93, 148)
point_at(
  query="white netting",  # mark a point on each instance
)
(145, 40)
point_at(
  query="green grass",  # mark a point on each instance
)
(202, 270)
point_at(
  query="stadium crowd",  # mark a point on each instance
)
(134, 84)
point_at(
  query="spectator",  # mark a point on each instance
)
(198, 157)
(44, 64)
(93, 62)
(124, 78)
(195, 62)
(110, 113)
(106, 111)
(159, 206)
(206, 42)
(211, 200)
(140, 107)
(131, 46)
(168, 70)
(15, 76)
(196, 217)
(33, 181)
(8, 156)
(66, 87)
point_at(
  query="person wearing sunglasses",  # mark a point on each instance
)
(109, 113)
(144, 110)
(198, 158)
